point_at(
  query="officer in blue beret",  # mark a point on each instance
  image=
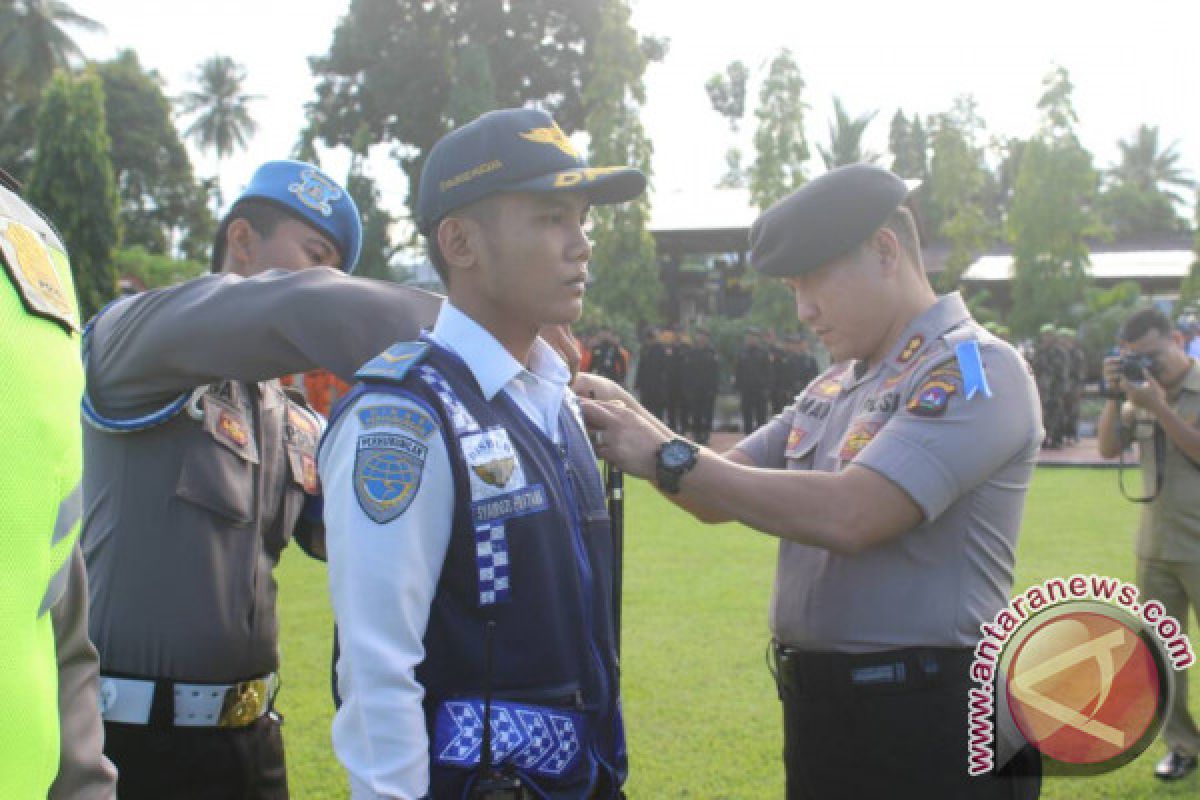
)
(198, 470)
(896, 482)
(471, 559)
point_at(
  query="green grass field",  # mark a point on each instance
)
(700, 706)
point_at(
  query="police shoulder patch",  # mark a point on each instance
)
(35, 270)
(932, 396)
(406, 418)
(387, 473)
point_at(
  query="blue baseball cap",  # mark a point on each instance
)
(308, 194)
(512, 150)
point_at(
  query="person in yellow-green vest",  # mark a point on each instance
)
(48, 668)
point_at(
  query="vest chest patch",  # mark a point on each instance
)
(492, 462)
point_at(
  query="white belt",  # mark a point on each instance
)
(226, 705)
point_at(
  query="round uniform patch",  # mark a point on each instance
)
(387, 474)
(931, 400)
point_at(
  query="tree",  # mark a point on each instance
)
(375, 260)
(727, 93)
(735, 173)
(1051, 215)
(957, 189)
(73, 183)
(845, 138)
(407, 71)
(1189, 292)
(727, 96)
(909, 147)
(161, 202)
(34, 42)
(780, 145)
(220, 109)
(1142, 191)
(627, 284)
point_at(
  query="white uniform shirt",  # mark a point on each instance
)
(382, 577)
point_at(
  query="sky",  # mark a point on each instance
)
(918, 55)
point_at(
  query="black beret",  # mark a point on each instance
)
(824, 219)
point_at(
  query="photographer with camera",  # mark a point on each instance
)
(1157, 403)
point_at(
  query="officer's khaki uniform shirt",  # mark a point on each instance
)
(1169, 529)
(965, 462)
(185, 520)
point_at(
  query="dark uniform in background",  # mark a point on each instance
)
(198, 469)
(608, 358)
(752, 377)
(677, 403)
(651, 379)
(702, 376)
(1076, 377)
(1051, 367)
(792, 370)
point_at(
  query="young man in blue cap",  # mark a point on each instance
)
(896, 483)
(198, 469)
(470, 551)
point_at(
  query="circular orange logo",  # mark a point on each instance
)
(1087, 687)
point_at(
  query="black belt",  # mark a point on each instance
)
(809, 671)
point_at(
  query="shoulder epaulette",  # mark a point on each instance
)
(394, 363)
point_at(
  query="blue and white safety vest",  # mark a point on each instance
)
(531, 550)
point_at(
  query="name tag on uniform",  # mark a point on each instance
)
(228, 425)
(520, 503)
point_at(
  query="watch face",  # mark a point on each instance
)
(676, 454)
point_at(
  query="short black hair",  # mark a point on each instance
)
(481, 210)
(1144, 321)
(263, 215)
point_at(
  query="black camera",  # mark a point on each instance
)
(1134, 367)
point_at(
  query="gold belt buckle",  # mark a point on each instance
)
(244, 703)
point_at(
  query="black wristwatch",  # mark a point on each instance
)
(675, 459)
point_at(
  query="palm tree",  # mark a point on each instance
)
(845, 138)
(34, 42)
(1147, 168)
(221, 121)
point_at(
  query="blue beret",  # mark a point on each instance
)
(512, 150)
(824, 219)
(312, 197)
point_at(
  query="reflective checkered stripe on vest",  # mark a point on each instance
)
(531, 550)
(39, 487)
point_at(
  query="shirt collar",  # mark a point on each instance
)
(492, 366)
(948, 312)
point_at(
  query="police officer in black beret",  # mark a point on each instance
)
(896, 483)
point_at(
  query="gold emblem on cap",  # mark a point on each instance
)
(552, 135)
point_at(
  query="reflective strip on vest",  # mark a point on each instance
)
(69, 512)
(56, 589)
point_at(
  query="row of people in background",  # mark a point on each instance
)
(769, 375)
(1060, 367)
(677, 379)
